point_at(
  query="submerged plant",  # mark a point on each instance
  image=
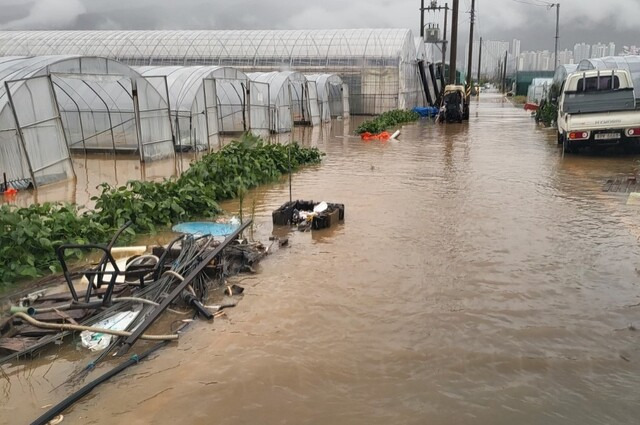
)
(387, 120)
(28, 236)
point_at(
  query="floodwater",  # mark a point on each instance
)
(480, 277)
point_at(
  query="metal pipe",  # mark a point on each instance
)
(557, 6)
(454, 42)
(155, 313)
(444, 36)
(470, 61)
(422, 20)
(20, 134)
(479, 61)
(71, 327)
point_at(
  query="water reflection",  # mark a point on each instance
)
(480, 277)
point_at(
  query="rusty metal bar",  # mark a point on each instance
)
(156, 312)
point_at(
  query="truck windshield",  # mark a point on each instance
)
(602, 82)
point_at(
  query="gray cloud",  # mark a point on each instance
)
(581, 20)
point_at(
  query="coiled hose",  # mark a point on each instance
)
(71, 327)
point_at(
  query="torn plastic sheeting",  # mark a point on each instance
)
(96, 341)
(203, 228)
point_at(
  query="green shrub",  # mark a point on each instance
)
(387, 120)
(28, 236)
(547, 113)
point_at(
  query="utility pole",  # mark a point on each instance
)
(470, 61)
(504, 73)
(433, 7)
(422, 20)
(454, 42)
(479, 60)
(557, 6)
(444, 36)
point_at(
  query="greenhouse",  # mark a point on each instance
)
(52, 105)
(630, 63)
(378, 65)
(293, 100)
(562, 72)
(207, 101)
(333, 96)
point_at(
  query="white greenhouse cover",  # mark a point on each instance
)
(630, 63)
(195, 91)
(57, 103)
(378, 65)
(292, 99)
(331, 97)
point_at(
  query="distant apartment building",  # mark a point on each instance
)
(565, 57)
(542, 60)
(515, 48)
(581, 51)
(493, 53)
(599, 50)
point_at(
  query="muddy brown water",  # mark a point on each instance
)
(480, 277)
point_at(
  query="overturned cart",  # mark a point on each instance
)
(135, 294)
(308, 214)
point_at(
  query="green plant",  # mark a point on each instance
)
(547, 113)
(28, 236)
(387, 120)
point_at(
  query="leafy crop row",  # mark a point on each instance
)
(28, 236)
(547, 113)
(387, 120)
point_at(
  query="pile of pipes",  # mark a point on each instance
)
(124, 298)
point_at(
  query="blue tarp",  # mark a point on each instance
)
(203, 228)
(426, 111)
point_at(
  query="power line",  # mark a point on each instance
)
(540, 3)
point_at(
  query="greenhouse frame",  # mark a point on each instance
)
(208, 101)
(293, 100)
(378, 65)
(630, 63)
(333, 96)
(52, 105)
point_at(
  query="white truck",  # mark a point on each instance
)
(597, 108)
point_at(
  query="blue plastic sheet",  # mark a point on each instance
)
(203, 228)
(426, 111)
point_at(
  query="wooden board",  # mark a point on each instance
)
(622, 184)
(17, 343)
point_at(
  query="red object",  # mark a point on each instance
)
(10, 192)
(530, 107)
(384, 136)
(633, 132)
(366, 136)
(380, 136)
(578, 135)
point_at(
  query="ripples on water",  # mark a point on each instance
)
(479, 278)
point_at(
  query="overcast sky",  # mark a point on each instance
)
(581, 20)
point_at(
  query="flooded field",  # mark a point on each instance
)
(480, 277)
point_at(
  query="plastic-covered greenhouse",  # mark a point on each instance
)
(630, 63)
(378, 65)
(561, 73)
(54, 104)
(207, 101)
(333, 95)
(292, 99)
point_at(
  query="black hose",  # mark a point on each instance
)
(69, 401)
(197, 306)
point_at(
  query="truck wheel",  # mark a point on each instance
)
(560, 138)
(568, 146)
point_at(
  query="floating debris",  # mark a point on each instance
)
(308, 215)
(625, 184)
